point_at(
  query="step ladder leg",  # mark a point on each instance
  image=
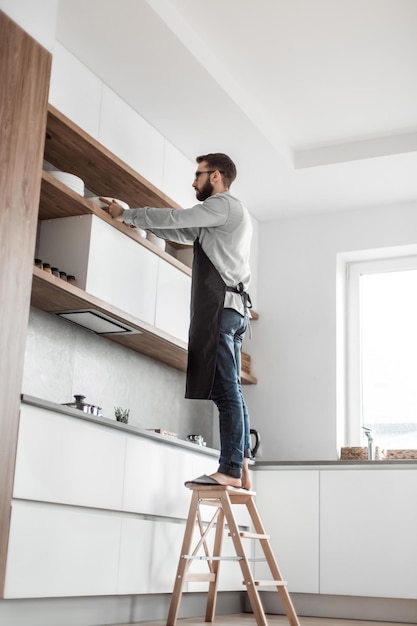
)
(213, 585)
(251, 589)
(183, 564)
(273, 565)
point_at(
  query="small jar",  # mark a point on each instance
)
(71, 279)
(47, 268)
(55, 271)
(63, 275)
(38, 263)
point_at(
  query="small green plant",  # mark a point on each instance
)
(122, 415)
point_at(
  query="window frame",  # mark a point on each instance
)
(355, 268)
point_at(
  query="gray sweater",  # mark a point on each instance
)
(223, 227)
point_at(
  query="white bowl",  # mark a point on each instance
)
(157, 241)
(96, 200)
(70, 180)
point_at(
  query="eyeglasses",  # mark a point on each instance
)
(198, 174)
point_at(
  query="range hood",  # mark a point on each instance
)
(98, 322)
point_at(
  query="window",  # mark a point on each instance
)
(382, 351)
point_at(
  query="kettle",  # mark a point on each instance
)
(257, 440)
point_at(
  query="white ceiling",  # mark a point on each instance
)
(315, 100)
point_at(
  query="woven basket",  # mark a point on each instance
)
(360, 454)
(401, 454)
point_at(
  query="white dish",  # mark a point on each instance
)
(157, 241)
(70, 180)
(96, 200)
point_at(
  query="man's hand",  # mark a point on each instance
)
(115, 210)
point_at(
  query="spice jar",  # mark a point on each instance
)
(47, 268)
(71, 279)
(63, 275)
(55, 271)
(38, 263)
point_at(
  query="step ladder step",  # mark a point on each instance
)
(210, 557)
(269, 583)
(199, 578)
(247, 535)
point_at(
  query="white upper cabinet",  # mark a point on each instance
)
(105, 262)
(172, 313)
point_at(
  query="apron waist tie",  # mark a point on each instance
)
(247, 302)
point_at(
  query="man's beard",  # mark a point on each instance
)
(205, 192)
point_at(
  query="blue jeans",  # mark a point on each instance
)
(227, 395)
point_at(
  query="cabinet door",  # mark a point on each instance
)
(173, 301)
(105, 262)
(67, 460)
(288, 503)
(122, 272)
(368, 541)
(154, 478)
(57, 551)
(149, 553)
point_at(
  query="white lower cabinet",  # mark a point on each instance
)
(149, 553)
(66, 460)
(96, 510)
(61, 551)
(288, 504)
(155, 475)
(368, 539)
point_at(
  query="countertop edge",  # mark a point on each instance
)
(357, 464)
(112, 423)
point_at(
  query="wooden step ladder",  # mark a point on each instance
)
(222, 498)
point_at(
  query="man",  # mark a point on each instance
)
(220, 230)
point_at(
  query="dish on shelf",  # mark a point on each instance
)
(70, 180)
(157, 241)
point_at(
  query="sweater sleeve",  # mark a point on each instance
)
(180, 225)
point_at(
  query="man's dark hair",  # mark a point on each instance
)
(222, 163)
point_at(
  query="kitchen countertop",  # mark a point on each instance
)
(113, 423)
(255, 465)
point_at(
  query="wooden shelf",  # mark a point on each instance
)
(71, 149)
(51, 294)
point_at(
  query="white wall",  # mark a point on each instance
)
(294, 343)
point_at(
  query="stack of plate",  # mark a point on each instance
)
(96, 200)
(70, 180)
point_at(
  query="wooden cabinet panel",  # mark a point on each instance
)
(368, 542)
(24, 70)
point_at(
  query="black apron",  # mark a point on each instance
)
(207, 301)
